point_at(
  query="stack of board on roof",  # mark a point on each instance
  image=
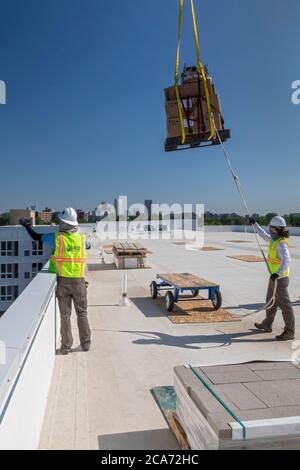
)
(129, 255)
(263, 396)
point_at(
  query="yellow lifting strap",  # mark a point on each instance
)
(200, 67)
(177, 73)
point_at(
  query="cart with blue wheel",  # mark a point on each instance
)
(177, 284)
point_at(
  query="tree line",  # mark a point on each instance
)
(292, 220)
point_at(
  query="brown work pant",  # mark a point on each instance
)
(282, 300)
(68, 289)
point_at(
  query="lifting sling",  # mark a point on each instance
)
(200, 69)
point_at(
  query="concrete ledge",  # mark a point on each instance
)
(27, 352)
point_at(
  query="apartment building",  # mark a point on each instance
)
(21, 259)
(46, 215)
(16, 214)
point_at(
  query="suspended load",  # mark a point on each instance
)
(193, 108)
(198, 124)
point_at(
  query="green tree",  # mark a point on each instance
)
(225, 219)
(4, 218)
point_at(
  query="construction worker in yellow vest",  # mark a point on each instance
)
(279, 265)
(68, 263)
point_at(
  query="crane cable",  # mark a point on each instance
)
(200, 70)
(236, 180)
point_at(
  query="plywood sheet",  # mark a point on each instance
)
(195, 311)
(248, 258)
(239, 241)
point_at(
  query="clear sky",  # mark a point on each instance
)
(84, 119)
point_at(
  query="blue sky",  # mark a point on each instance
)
(84, 119)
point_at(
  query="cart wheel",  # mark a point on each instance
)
(216, 300)
(153, 290)
(195, 293)
(169, 299)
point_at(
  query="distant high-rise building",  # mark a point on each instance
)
(121, 207)
(116, 207)
(92, 216)
(82, 215)
(148, 204)
(46, 215)
(17, 214)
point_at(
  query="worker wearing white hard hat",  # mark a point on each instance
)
(279, 266)
(68, 216)
(67, 261)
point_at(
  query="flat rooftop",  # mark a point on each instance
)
(102, 398)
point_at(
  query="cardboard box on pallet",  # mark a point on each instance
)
(172, 108)
(200, 112)
(174, 128)
(214, 104)
(195, 115)
(191, 126)
(188, 90)
(194, 109)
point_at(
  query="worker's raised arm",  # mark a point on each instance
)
(32, 233)
(261, 232)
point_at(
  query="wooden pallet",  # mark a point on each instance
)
(179, 433)
(165, 398)
(129, 249)
(194, 141)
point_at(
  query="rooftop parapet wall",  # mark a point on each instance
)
(27, 353)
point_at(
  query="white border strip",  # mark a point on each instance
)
(273, 427)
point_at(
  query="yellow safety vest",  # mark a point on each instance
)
(69, 257)
(273, 260)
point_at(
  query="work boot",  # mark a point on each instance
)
(64, 351)
(286, 335)
(86, 347)
(262, 327)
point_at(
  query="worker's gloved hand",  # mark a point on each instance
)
(274, 276)
(252, 221)
(23, 221)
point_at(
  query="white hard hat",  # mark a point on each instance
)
(278, 222)
(69, 216)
